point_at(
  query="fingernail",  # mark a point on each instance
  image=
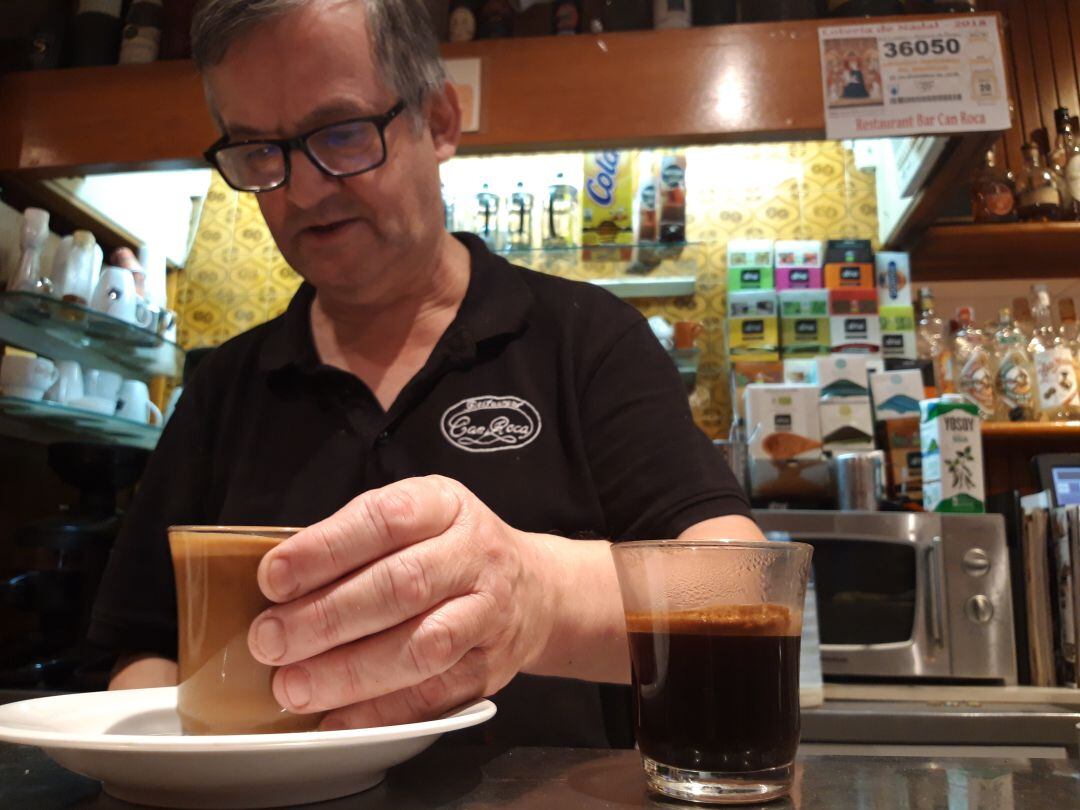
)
(281, 577)
(297, 687)
(270, 638)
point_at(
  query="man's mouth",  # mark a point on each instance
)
(330, 228)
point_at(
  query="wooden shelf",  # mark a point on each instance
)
(639, 88)
(1008, 250)
(1026, 431)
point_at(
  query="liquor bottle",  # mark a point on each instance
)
(95, 33)
(1065, 160)
(486, 221)
(932, 343)
(562, 224)
(462, 21)
(496, 20)
(1022, 320)
(567, 16)
(1014, 382)
(1055, 370)
(141, 38)
(993, 193)
(671, 14)
(1038, 195)
(46, 45)
(975, 363)
(864, 8)
(771, 10)
(520, 216)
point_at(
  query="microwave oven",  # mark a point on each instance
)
(907, 597)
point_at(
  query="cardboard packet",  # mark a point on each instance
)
(846, 424)
(952, 463)
(608, 204)
(893, 279)
(846, 375)
(896, 394)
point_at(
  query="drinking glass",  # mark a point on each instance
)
(714, 631)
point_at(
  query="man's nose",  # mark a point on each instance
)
(308, 185)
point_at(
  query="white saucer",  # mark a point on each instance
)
(131, 741)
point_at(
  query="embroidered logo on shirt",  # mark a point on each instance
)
(488, 423)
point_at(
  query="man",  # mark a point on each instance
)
(538, 412)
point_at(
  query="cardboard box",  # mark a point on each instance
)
(896, 394)
(898, 332)
(846, 424)
(804, 337)
(782, 421)
(849, 276)
(804, 303)
(893, 279)
(745, 372)
(849, 263)
(752, 304)
(952, 462)
(750, 253)
(800, 370)
(673, 197)
(855, 334)
(750, 265)
(846, 375)
(798, 264)
(754, 339)
(608, 200)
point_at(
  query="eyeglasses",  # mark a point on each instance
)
(343, 149)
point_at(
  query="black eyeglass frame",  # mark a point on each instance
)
(287, 145)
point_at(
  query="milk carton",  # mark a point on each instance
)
(950, 433)
(608, 202)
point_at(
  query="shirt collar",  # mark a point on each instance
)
(496, 304)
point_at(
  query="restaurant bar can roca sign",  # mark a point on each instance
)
(923, 77)
(486, 424)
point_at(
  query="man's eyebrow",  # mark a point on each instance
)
(322, 115)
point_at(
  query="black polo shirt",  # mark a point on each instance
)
(550, 399)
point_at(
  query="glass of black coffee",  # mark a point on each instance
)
(714, 631)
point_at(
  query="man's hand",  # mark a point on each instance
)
(409, 601)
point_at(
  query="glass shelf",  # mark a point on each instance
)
(63, 331)
(662, 249)
(42, 421)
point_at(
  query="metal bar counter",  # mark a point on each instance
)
(451, 776)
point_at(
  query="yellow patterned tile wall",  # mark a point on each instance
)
(235, 278)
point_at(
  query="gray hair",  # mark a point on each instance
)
(400, 32)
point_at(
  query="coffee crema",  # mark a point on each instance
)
(717, 689)
(223, 689)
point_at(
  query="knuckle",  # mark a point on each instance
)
(394, 510)
(432, 646)
(404, 582)
(429, 696)
(328, 626)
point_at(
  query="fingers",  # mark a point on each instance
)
(123, 257)
(401, 586)
(403, 657)
(369, 527)
(433, 698)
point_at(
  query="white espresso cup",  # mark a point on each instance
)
(106, 407)
(103, 384)
(69, 383)
(134, 403)
(26, 377)
(115, 295)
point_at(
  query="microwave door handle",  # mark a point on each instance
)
(935, 592)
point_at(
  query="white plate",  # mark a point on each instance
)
(131, 741)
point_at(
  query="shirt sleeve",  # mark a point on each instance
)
(656, 473)
(135, 610)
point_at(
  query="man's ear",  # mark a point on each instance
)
(444, 122)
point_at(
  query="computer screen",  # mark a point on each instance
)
(1066, 485)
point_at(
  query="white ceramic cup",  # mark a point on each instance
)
(69, 384)
(115, 295)
(100, 383)
(106, 407)
(26, 377)
(134, 403)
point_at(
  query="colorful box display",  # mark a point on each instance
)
(752, 304)
(799, 264)
(854, 325)
(849, 263)
(846, 424)
(898, 332)
(750, 265)
(846, 375)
